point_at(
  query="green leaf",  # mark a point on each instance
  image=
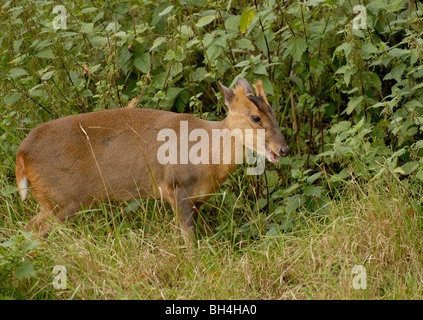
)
(297, 47)
(132, 206)
(395, 5)
(89, 10)
(213, 52)
(200, 74)
(294, 202)
(353, 103)
(419, 175)
(203, 21)
(38, 93)
(272, 178)
(340, 176)
(375, 81)
(418, 86)
(369, 50)
(409, 167)
(232, 23)
(48, 75)
(244, 44)
(260, 69)
(113, 27)
(166, 11)
(376, 5)
(273, 230)
(346, 47)
(208, 39)
(187, 31)
(419, 144)
(314, 177)
(12, 98)
(262, 202)
(87, 28)
(312, 191)
(98, 42)
(87, 93)
(172, 93)
(396, 73)
(399, 170)
(242, 64)
(142, 62)
(95, 68)
(32, 245)
(347, 71)
(268, 88)
(16, 45)
(340, 127)
(399, 53)
(17, 72)
(26, 270)
(246, 18)
(8, 243)
(157, 43)
(124, 58)
(46, 53)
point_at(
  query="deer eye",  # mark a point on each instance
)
(255, 119)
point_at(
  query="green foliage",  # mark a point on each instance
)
(348, 100)
(17, 257)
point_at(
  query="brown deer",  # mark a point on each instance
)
(73, 162)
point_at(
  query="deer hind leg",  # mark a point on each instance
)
(41, 223)
(50, 214)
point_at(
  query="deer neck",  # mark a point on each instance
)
(236, 146)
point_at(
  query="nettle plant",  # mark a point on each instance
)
(381, 71)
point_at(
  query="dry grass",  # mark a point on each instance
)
(372, 226)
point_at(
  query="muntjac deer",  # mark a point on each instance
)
(73, 162)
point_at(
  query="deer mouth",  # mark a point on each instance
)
(271, 156)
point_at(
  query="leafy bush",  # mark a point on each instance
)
(17, 257)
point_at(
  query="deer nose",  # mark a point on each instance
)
(285, 150)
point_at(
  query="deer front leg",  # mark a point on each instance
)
(186, 213)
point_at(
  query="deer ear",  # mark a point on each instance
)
(260, 91)
(228, 94)
(244, 83)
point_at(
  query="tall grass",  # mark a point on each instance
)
(113, 253)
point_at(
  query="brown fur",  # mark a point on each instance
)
(80, 159)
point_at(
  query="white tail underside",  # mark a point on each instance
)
(23, 188)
